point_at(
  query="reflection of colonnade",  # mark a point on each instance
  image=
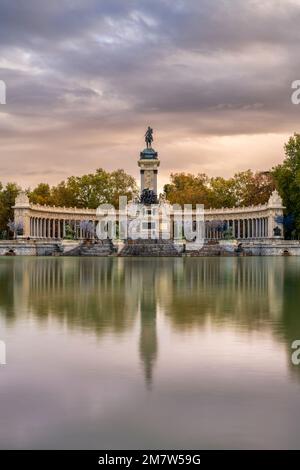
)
(43, 222)
(110, 294)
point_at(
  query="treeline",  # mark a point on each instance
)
(86, 191)
(246, 188)
(243, 189)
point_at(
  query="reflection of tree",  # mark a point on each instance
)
(289, 328)
(82, 293)
(106, 294)
(243, 291)
(7, 284)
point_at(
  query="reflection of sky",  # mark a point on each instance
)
(75, 382)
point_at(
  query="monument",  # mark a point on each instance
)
(148, 164)
(50, 224)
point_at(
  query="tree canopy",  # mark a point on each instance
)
(86, 191)
(287, 178)
(8, 195)
(243, 189)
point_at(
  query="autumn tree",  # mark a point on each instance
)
(287, 177)
(186, 188)
(87, 191)
(253, 189)
(243, 189)
(41, 195)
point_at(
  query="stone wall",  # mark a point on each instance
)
(28, 248)
(272, 247)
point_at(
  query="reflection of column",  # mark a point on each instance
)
(148, 334)
(148, 338)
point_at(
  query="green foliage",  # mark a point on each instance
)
(41, 194)
(86, 191)
(244, 189)
(228, 234)
(70, 234)
(8, 195)
(287, 177)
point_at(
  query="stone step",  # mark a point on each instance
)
(149, 247)
(100, 248)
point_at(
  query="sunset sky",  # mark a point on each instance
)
(86, 77)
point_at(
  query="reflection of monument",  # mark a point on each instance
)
(148, 337)
(148, 344)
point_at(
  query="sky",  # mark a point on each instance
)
(84, 79)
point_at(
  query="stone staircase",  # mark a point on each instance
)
(210, 249)
(93, 248)
(149, 247)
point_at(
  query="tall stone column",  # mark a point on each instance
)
(149, 164)
(22, 214)
(233, 228)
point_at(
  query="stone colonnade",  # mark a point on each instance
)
(257, 227)
(44, 222)
(58, 228)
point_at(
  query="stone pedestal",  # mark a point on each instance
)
(149, 164)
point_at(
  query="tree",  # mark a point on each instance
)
(8, 195)
(41, 195)
(253, 189)
(287, 178)
(186, 188)
(89, 190)
(222, 193)
(244, 189)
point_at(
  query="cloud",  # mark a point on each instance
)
(85, 77)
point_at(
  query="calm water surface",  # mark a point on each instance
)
(149, 353)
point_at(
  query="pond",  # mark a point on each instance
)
(137, 353)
